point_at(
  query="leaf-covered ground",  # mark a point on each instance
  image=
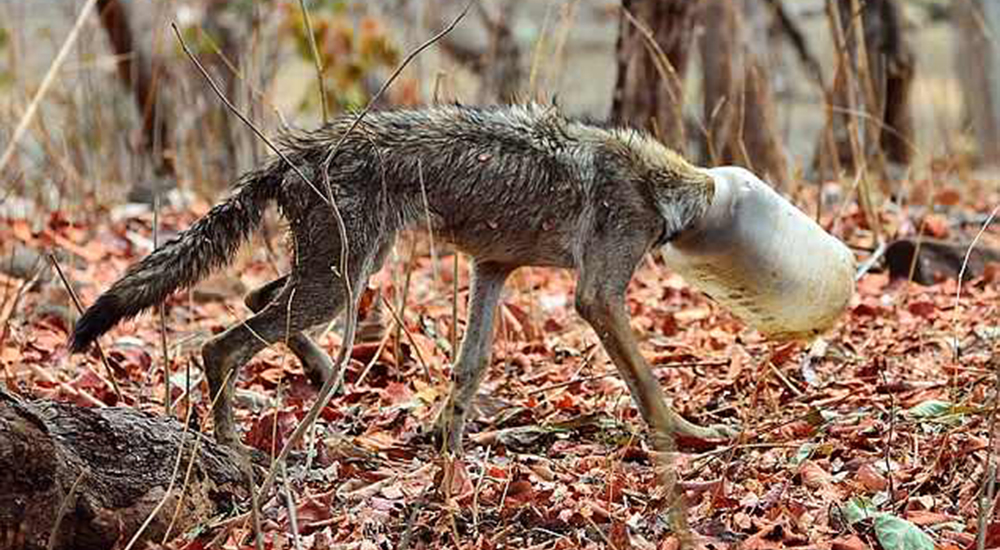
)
(879, 431)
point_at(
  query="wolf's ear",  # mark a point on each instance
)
(682, 203)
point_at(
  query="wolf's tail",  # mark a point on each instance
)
(184, 260)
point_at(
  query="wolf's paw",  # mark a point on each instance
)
(724, 431)
(250, 456)
(716, 433)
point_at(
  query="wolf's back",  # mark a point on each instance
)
(184, 260)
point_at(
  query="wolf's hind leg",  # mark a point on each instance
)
(315, 362)
(290, 312)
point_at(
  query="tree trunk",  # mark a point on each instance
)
(978, 66)
(228, 129)
(496, 59)
(644, 97)
(738, 107)
(937, 260)
(141, 75)
(110, 468)
(881, 87)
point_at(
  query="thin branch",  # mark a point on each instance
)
(63, 507)
(378, 353)
(79, 309)
(798, 40)
(961, 276)
(409, 336)
(293, 516)
(258, 527)
(215, 87)
(167, 383)
(660, 59)
(988, 490)
(22, 289)
(316, 59)
(870, 262)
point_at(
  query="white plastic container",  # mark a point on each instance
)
(764, 259)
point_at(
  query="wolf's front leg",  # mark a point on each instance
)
(473, 358)
(600, 300)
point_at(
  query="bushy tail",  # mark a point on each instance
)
(184, 260)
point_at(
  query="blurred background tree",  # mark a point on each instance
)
(977, 59)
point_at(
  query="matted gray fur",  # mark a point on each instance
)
(510, 186)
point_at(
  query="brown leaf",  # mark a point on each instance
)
(926, 517)
(850, 542)
(266, 436)
(949, 196)
(618, 536)
(520, 492)
(870, 478)
(936, 226)
(395, 393)
(813, 475)
(922, 308)
(992, 537)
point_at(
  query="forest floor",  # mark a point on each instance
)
(880, 431)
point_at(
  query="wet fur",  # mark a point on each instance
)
(510, 186)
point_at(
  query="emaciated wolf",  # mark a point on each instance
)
(510, 186)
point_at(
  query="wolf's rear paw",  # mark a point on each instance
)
(249, 455)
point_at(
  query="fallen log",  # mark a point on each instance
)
(107, 469)
(937, 260)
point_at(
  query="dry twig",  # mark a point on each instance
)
(79, 308)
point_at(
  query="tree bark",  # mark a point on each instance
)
(937, 260)
(738, 107)
(642, 96)
(111, 468)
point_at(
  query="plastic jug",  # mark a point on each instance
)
(764, 259)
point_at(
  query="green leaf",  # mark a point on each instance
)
(857, 509)
(804, 452)
(893, 533)
(930, 409)
(896, 533)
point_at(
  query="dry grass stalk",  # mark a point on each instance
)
(314, 51)
(47, 82)
(79, 308)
